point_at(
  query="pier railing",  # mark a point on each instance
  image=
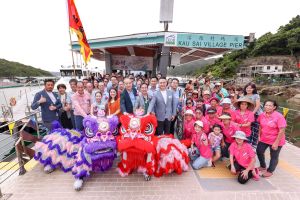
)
(13, 146)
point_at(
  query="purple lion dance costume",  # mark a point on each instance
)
(94, 150)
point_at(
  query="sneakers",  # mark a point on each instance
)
(267, 174)
(48, 169)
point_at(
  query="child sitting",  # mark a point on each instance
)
(242, 158)
(200, 151)
(216, 140)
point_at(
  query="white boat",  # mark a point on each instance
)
(79, 73)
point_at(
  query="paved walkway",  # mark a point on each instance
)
(285, 184)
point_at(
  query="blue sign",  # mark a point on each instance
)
(204, 40)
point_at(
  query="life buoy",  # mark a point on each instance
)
(12, 101)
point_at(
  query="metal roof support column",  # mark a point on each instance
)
(107, 57)
(164, 60)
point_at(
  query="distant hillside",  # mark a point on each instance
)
(285, 42)
(11, 69)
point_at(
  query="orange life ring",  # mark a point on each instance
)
(12, 101)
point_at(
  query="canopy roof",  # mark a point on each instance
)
(148, 44)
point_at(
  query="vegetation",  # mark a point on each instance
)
(285, 42)
(12, 69)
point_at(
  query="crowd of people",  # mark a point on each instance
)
(219, 121)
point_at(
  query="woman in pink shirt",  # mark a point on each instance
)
(188, 125)
(271, 135)
(244, 115)
(200, 151)
(199, 116)
(212, 118)
(226, 108)
(229, 128)
(242, 158)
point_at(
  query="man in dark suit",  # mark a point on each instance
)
(128, 97)
(163, 105)
(49, 103)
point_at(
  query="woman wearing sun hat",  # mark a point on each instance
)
(244, 115)
(188, 124)
(229, 128)
(242, 158)
(226, 108)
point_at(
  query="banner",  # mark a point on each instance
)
(134, 63)
(77, 27)
(204, 40)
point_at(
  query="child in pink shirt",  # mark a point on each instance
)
(215, 139)
(242, 158)
(200, 151)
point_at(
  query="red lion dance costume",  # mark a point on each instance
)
(147, 153)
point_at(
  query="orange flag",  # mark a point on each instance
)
(76, 26)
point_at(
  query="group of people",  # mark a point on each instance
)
(218, 122)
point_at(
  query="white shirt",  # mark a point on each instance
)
(164, 94)
(52, 97)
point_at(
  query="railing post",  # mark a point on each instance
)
(19, 154)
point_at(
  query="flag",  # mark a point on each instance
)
(285, 111)
(76, 26)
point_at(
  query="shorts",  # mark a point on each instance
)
(217, 148)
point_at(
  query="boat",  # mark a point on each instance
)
(68, 72)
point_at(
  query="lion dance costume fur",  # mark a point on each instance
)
(94, 150)
(146, 153)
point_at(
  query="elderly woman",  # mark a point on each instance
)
(229, 128)
(226, 108)
(242, 158)
(244, 115)
(272, 135)
(143, 100)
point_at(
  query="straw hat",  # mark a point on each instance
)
(240, 134)
(199, 123)
(225, 116)
(244, 99)
(206, 92)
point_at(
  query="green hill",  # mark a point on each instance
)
(286, 41)
(11, 69)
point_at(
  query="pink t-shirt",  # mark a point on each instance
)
(231, 112)
(242, 155)
(188, 129)
(212, 121)
(270, 127)
(248, 116)
(201, 142)
(229, 131)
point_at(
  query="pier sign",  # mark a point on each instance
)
(204, 40)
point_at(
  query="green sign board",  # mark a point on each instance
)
(204, 40)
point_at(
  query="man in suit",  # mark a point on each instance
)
(49, 103)
(163, 105)
(128, 97)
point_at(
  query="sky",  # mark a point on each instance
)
(35, 32)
